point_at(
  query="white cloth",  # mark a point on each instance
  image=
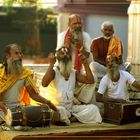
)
(86, 42)
(81, 89)
(85, 92)
(87, 113)
(12, 97)
(84, 113)
(116, 89)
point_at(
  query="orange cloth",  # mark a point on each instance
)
(6, 81)
(115, 47)
(67, 42)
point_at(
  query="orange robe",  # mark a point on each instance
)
(6, 81)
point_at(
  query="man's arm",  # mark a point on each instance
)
(49, 75)
(35, 96)
(3, 107)
(101, 98)
(88, 77)
(136, 85)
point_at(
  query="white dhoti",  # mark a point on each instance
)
(85, 92)
(64, 114)
(84, 114)
(87, 113)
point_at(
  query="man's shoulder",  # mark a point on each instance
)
(125, 73)
(105, 78)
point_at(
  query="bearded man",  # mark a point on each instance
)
(107, 44)
(16, 83)
(75, 39)
(64, 78)
(78, 41)
(113, 86)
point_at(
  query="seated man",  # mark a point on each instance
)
(113, 86)
(64, 78)
(16, 83)
(101, 47)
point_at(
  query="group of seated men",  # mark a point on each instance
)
(71, 74)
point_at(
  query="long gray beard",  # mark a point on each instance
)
(65, 68)
(14, 67)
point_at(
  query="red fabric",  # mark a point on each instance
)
(67, 38)
(77, 62)
(67, 42)
(100, 46)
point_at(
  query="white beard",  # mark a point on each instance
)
(14, 67)
(65, 68)
(113, 74)
(107, 37)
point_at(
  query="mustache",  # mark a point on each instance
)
(77, 29)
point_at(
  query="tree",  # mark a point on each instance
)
(28, 18)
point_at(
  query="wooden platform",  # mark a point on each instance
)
(76, 131)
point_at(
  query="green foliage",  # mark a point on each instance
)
(9, 5)
(47, 17)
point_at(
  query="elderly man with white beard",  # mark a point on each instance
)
(16, 83)
(77, 40)
(107, 44)
(113, 86)
(65, 78)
